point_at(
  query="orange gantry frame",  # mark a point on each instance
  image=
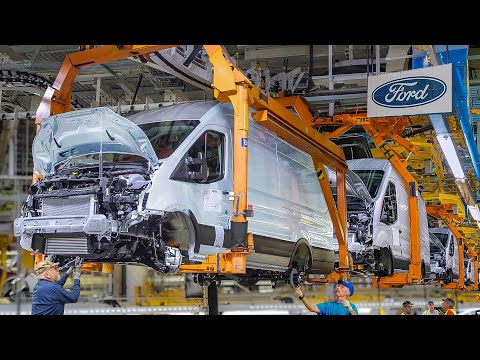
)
(57, 97)
(380, 130)
(444, 212)
(229, 84)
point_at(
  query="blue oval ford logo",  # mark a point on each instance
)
(409, 92)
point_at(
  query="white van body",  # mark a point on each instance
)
(183, 211)
(443, 255)
(469, 272)
(379, 226)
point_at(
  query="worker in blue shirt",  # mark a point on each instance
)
(341, 306)
(49, 296)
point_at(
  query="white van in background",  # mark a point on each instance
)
(161, 196)
(469, 271)
(443, 255)
(379, 224)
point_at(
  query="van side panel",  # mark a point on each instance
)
(287, 200)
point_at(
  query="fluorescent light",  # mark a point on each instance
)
(448, 148)
(475, 212)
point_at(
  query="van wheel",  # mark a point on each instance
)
(449, 276)
(302, 260)
(384, 263)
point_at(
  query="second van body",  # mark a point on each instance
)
(379, 224)
(443, 255)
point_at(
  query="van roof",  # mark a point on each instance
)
(368, 164)
(192, 110)
(439, 230)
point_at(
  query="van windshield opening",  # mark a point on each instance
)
(443, 238)
(372, 180)
(166, 136)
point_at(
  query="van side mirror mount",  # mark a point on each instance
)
(197, 168)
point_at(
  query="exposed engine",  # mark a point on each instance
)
(360, 233)
(100, 218)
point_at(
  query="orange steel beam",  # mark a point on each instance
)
(395, 137)
(229, 84)
(57, 97)
(299, 104)
(339, 132)
(225, 263)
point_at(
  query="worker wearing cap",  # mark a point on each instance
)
(431, 309)
(49, 296)
(341, 306)
(407, 308)
(447, 306)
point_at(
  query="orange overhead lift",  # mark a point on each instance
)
(380, 130)
(443, 212)
(229, 84)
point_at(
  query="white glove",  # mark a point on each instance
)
(70, 270)
(346, 304)
(76, 273)
(298, 291)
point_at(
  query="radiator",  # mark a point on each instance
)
(66, 246)
(70, 205)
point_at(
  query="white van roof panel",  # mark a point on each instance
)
(187, 111)
(368, 164)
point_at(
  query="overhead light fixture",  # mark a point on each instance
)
(448, 147)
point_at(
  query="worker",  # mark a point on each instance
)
(431, 309)
(341, 306)
(407, 308)
(49, 296)
(447, 306)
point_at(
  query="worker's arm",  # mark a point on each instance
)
(310, 306)
(68, 296)
(63, 279)
(351, 308)
(354, 310)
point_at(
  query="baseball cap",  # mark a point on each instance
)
(348, 285)
(450, 301)
(44, 266)
(408, 302)
(431, 302)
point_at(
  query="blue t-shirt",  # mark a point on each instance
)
(49, 298)
(334, 308)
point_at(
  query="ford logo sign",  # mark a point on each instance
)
(409, 92)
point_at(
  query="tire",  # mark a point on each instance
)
(449, 277)
(302, 260)
(423, 270)
(385, 263)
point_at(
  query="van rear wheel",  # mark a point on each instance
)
(302, 260)
(449, 276)
(384, 262)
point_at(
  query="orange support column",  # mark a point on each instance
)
(342, 213)
(239, 224)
